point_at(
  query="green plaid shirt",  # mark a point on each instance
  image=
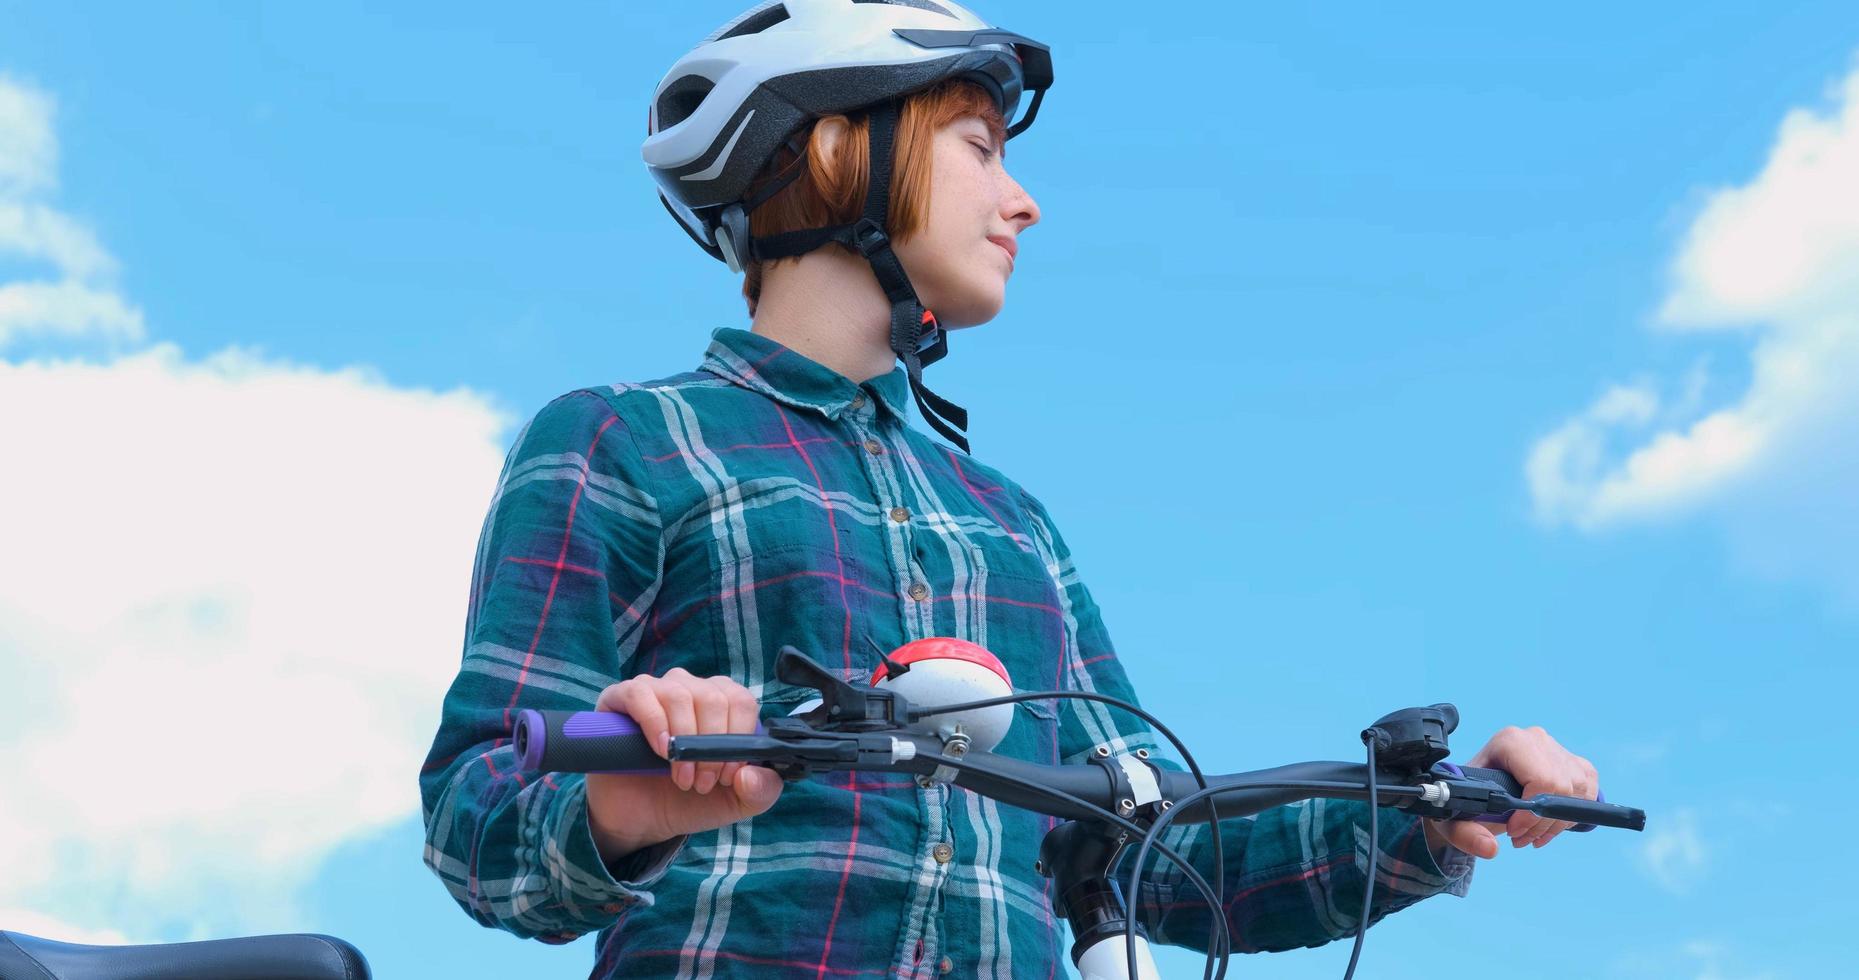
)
(704, 521)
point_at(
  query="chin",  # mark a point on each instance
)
(974, 308)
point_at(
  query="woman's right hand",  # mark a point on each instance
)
(627, 813)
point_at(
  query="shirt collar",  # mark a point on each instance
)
(757, 363)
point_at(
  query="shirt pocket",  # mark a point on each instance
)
(791, 584)
(1034, 735)
(1024, 620)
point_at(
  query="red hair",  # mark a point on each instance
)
(831, 190)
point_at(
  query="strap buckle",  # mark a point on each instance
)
(934, 341)
(869, 238)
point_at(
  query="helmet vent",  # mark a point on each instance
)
(929, 5)
(755, 21)
(681, 98)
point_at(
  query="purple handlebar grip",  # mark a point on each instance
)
(529, 733)
(539, 749)
(606, 742)
(596, 724)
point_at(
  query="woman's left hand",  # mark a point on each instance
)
(1541, 765)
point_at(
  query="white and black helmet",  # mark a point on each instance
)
(722, 112)
(727, 106)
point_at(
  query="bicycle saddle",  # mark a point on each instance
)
(288, 957)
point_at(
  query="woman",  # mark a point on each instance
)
(653, 545)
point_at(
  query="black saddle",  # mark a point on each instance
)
(293, 957)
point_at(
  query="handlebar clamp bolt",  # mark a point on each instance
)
(1142, 753)
(1102, 751)
(1125, 807)
(1166, 804)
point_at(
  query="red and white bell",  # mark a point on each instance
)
(944, 670)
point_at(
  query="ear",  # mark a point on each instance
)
(828, 133)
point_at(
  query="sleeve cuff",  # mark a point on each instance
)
(1456, 869)
(1408, 870)
(1450, 873)
(591, 894)
(641, 869)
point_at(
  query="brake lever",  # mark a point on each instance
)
(795, 749)
(1492, 795)
(843, 706)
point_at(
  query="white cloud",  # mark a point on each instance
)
(231, 596)
(34, 231)
(1673, 853)
(45, 927)
(1697, 959)
(1774, 258)
(28, 153)
(79, 299)
(68, 308)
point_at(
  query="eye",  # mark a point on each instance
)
(987, 152)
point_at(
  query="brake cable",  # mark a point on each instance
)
(1222, 948)
(1374, 857)
(1218, 926)
(1220, 951)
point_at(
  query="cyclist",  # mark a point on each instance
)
(652, 545)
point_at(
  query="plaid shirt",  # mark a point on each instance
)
(704, 521)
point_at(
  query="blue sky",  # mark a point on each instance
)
(1505, 355)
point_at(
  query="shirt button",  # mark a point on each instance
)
(942, 852)
(858, 401)
(874, 447)
(945, 966)
(919, 592)
(900, 514)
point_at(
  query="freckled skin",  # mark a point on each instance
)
(958, 273)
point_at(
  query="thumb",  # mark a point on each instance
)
(757, 788)
(1472, 837)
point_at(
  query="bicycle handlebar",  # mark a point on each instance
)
(609, 742)
(866, 728)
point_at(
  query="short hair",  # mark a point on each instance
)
(832, 191)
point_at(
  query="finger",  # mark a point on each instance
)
(681, 718)
(1526, 827)
(757, 788)
(1535, 761)
(1587, 786)
(1472, 837)
(712, 708)
(634, 699)
(745, 713)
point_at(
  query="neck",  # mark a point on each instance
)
(828, 308)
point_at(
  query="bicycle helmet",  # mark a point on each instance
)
(721, 113)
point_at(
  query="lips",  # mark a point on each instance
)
(1007, 245)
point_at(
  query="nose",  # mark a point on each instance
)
(1017, 206)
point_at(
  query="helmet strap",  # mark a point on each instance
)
(916, 338)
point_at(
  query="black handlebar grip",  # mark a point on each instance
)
(584, 741)
(1586, 814)
(1589, 812)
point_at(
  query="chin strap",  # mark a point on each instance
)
(916, 338)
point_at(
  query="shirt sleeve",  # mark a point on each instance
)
(568, 562)
(1294, 874)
